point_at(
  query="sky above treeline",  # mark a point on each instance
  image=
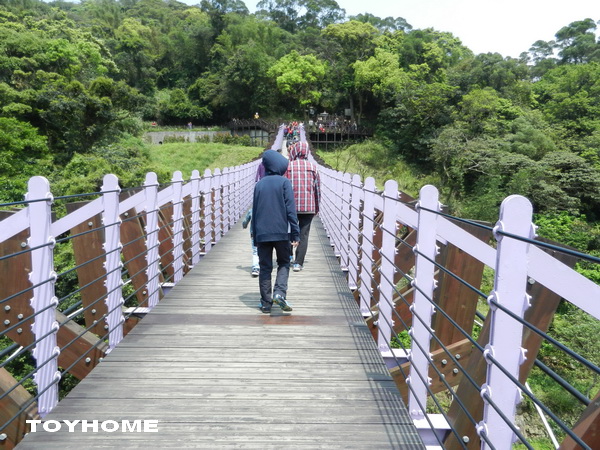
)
(508, 27)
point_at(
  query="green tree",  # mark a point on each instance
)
(298, 77)
(184, 52)
(104, 16)
(218, 9)
(569, 97)
(579, 182)
(245, 85)
(577, 42)
(23, 153)
(419, 46)
(321, 13)
(135, 54)
(381, 75)
(541, 54)
(175, 107)
(388, 24)
(295, 15)
(508, 76)
(345, 45)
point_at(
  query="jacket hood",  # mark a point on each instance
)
(299, 151)
(275, 163)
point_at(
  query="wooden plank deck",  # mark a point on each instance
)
(216, 372)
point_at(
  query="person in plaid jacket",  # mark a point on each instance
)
(305, 180)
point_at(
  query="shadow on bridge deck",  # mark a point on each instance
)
(215, 372)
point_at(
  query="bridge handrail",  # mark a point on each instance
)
(202, 208)
(375, 234)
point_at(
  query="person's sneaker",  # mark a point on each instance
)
(255, 271)
(282, 303)
(265, 309)
(296, 267)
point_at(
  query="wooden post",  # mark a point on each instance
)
(165, 241)
(14, 422)
(587, 427)
(134, 253)
(89, 259)
(18, 310)
(454, 297)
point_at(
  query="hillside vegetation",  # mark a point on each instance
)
(79, 80)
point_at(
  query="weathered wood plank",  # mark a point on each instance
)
(218, 372)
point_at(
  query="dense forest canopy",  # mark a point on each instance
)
(78, 81)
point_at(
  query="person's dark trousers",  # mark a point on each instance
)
(265, 261)
(304, 220)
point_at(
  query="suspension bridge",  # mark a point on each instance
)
(386, 346)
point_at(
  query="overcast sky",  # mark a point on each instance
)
(508, 27)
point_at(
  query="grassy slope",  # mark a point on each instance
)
(362, 160)
(189, 156)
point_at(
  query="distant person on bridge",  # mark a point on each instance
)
(304, 176)
(274, 225)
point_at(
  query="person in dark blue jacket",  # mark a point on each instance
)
(274, 225)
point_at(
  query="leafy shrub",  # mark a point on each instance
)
(222, 138)
(23, 154)
(229, 139)
(172, 139)
(569, 229)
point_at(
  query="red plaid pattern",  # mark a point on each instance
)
(304, 176)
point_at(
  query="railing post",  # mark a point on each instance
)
(152, 253)
(113, 265)
(195, 194)
(422, 307)
(278, 143)
(225, 201)
(388, 253)
(366, 253)
(236, 210)
(354, 225)
(217, 183)
(177, 226)
(208, 209)
(44, 302)
(244, 188)
(326, 200)
(345, 220)
(506, 333)
(336, 227)
(231, 197)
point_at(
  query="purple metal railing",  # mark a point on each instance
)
(352, 212)
(348, 212)
(217, 200)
